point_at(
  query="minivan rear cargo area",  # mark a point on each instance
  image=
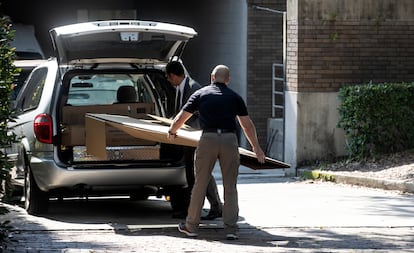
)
(98, 92)
(120, 145)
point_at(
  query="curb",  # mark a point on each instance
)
(385, 184)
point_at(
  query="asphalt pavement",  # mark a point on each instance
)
(277, 214)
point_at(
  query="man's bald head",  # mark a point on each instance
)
(220, 74)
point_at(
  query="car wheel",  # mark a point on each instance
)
(36, 201)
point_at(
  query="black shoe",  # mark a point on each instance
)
(179, 214)
(232, 236)
(212, 215)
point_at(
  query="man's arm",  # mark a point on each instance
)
(250, 130)
(178, 122)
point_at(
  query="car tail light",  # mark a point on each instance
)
(43, 128)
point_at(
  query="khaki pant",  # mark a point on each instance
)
(213, 146)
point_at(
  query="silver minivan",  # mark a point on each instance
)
(113, 67)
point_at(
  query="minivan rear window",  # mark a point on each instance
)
(104, 89)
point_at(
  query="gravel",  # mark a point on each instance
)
(397, 166)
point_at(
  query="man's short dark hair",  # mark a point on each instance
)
(174, 67)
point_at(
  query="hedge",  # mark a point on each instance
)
(377, 118)
(8, 73)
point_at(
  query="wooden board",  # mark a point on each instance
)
(168, 122)
(157, 130)
(149, 130)
(249, 159)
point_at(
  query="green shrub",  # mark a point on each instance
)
(377, 118)
(8, 72)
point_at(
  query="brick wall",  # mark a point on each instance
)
(327, 49)
(265, 47)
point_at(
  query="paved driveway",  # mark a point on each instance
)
(276, 215)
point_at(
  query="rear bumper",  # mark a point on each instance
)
(50, 176)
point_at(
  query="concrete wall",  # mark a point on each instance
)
(222, 40)
(311, 132)
(221, 27)
(355, 10)
(332, 43)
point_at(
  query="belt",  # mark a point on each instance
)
(218, 130)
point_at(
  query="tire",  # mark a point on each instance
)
(36, 201)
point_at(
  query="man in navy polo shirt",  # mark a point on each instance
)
(185, 87)
(218, 107)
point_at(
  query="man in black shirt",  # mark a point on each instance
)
(218, 107)
(185, 87)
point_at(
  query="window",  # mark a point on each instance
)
(32, 92)
(102, 89)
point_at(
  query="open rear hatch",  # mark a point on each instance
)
(112, 41)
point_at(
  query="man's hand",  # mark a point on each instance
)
(178, 122)
(260, 154)
(250, 131)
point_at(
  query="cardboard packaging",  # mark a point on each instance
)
(98, 142)
(73, 123)
(119, 153)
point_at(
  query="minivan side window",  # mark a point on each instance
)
(30, 95)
